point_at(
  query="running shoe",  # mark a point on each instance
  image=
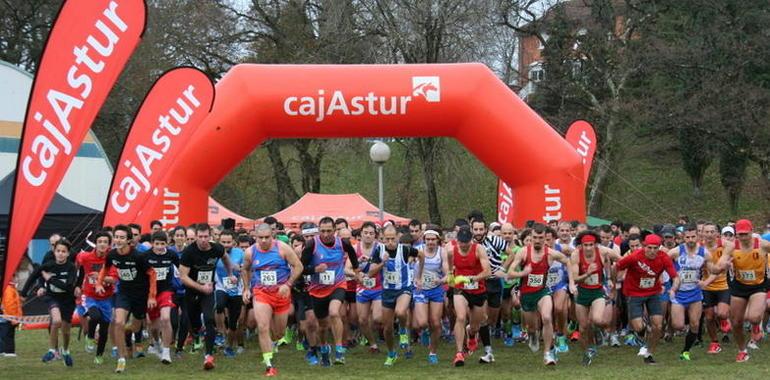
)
(488, 358)
(299, 346)
(208, 362)
(67, 359)
(614, 340)
(649, 360)
(114, 352)
(714, 348)
(240, 350)
(90, 345)
(549, 358)
(139, 351)
(630, 340)
(473, 344)
(508, 341)
(459, 360)
(197, 344)
(311, 358)
(50, 355)
(325, 361)
(121, 367)
(339, 357)
(391, 359)
(756, 333)
(374, 349)
(643, 352)
(98, 360)
(685, 356)
(561, 344)
(408, 353)
(152, 350)
(425, 337)
(228, 352)
(403, 340)
(743, 356)
(432, 358)
(575, 336)
(271, 372)
(752, 345)
(587, 358)
(534, 342)
(516, 331)
(165, 356)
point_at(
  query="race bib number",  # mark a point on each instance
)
(429, 280)
(230, 283)
(368, 282)
(205, 277)
(126, 274)
(553, 279)
(268, 277)
(747, 275)
(592, 279)
(689, 276)
(327, 277)
(161, 274)
(647, 282)
(393, 278)
(535, 280)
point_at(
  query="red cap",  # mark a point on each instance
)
(588, 239)
(743, 226)
(652, 239)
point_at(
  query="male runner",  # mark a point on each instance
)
(494, 246)
(469, 264)
(273, 269)
(196, 270)
(429, 295)
(229, 295)
(369, 291)
(393, 261)
(643, 288)
(303, 308)
(748, 292)
(164, 263)
(136, 291)
(98, 306)
(324, 258)
(536, 300)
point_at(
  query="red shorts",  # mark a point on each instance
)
(279, 304)
(164, 299)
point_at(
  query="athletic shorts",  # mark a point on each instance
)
(507, 292)
(301, 302)
(80, 308)
(529, 301)
(135, 304)
(666, 296)
(280, 305)
(104, 306)
(368, 295)
(64, 302)
(494, 292)
(429, 295)
(321, 305)
(636, 306)
(586, 297)
(350, 296)
(474, 300)
(390, 296)
(227, 301)
(163, 299)
(686, 297)
(740, 290)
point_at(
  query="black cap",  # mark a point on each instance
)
(668, 230)
(464, 235)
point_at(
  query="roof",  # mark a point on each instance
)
(217, 212)
(353, 207)
(60, 205)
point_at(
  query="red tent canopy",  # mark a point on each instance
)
(217, 212)
(353, 207)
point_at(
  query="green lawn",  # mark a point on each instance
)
(517, 361)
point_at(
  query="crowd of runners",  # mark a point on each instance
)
(328, 288)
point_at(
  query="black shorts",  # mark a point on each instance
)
(350, 296)
(474, 300)
(233, 305)
(321, 305)
(740, 290)
(507, 293)
(712, 298)
(302, 303)
(494, 292)
(64, 302)
(135, 303)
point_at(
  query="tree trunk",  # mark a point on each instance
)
(764, 167)
(285, 194)
(604, 159)
(428, 149)
(310, 164)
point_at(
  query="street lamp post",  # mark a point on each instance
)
(380, 153)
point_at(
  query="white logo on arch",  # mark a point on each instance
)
(427, 87)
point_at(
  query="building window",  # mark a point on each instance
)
(536, 72)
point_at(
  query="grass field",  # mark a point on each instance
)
(515, 362)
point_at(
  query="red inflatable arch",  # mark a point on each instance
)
(465, 101)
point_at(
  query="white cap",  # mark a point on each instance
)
(728, 229)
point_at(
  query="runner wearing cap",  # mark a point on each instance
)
(536, 300)
(587, 265)
(469, 264)
(716, 295)
(728, 233)
(642, 289)
(429, 293)
(689, 260)
(748, 255)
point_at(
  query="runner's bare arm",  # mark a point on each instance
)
(293, 260)
(727, 256)
(512, 272)
(481, 253)
(445, 266)
(184, 276)
(246, 273)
